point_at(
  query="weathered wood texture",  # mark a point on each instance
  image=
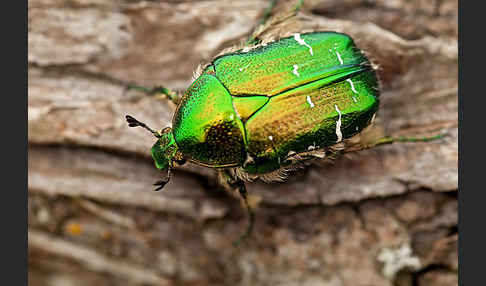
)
(382, 217)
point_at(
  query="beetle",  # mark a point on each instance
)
(258, 112)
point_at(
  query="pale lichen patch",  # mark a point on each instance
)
(396, 259)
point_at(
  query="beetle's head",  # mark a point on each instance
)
(164, 151)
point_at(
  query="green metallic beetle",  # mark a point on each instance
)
(257, 112)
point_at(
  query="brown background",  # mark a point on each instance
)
(93, 219)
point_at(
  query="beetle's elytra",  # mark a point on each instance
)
(256, 109)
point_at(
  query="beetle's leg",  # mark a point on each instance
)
(253, 38)
(157, 91)
(390, 140)
(251, 214)
(162, 182)
(298, 6)
(267, 12)
(240, 186)
(267, 21)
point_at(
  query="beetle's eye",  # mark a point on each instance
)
(165, 130)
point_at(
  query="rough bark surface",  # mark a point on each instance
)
(386, 216)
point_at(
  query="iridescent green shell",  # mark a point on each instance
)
(312, 89)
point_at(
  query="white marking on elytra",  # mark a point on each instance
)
(339, 57)
(357, 128)
(232, 117)
(295, 70)
(303, 43)
(309, 101)
(270, 137)
(352, 88)
(338, 125)
(312, 147)
(244, 68)
(352, 85)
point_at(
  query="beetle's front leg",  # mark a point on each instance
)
(238, 184)
(158, 92)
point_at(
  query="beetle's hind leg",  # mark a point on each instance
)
(237, 184)
(272, 18)
(390, 140)
(157, 91)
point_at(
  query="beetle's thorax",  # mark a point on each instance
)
(206, 127)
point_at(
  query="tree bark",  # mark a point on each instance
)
(386, 216)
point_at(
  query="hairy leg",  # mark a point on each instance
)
(270, 19)
(390, 140)
(158, 91)
(239, 185)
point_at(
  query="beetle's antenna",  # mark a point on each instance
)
(132, 122)
(161, 183)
